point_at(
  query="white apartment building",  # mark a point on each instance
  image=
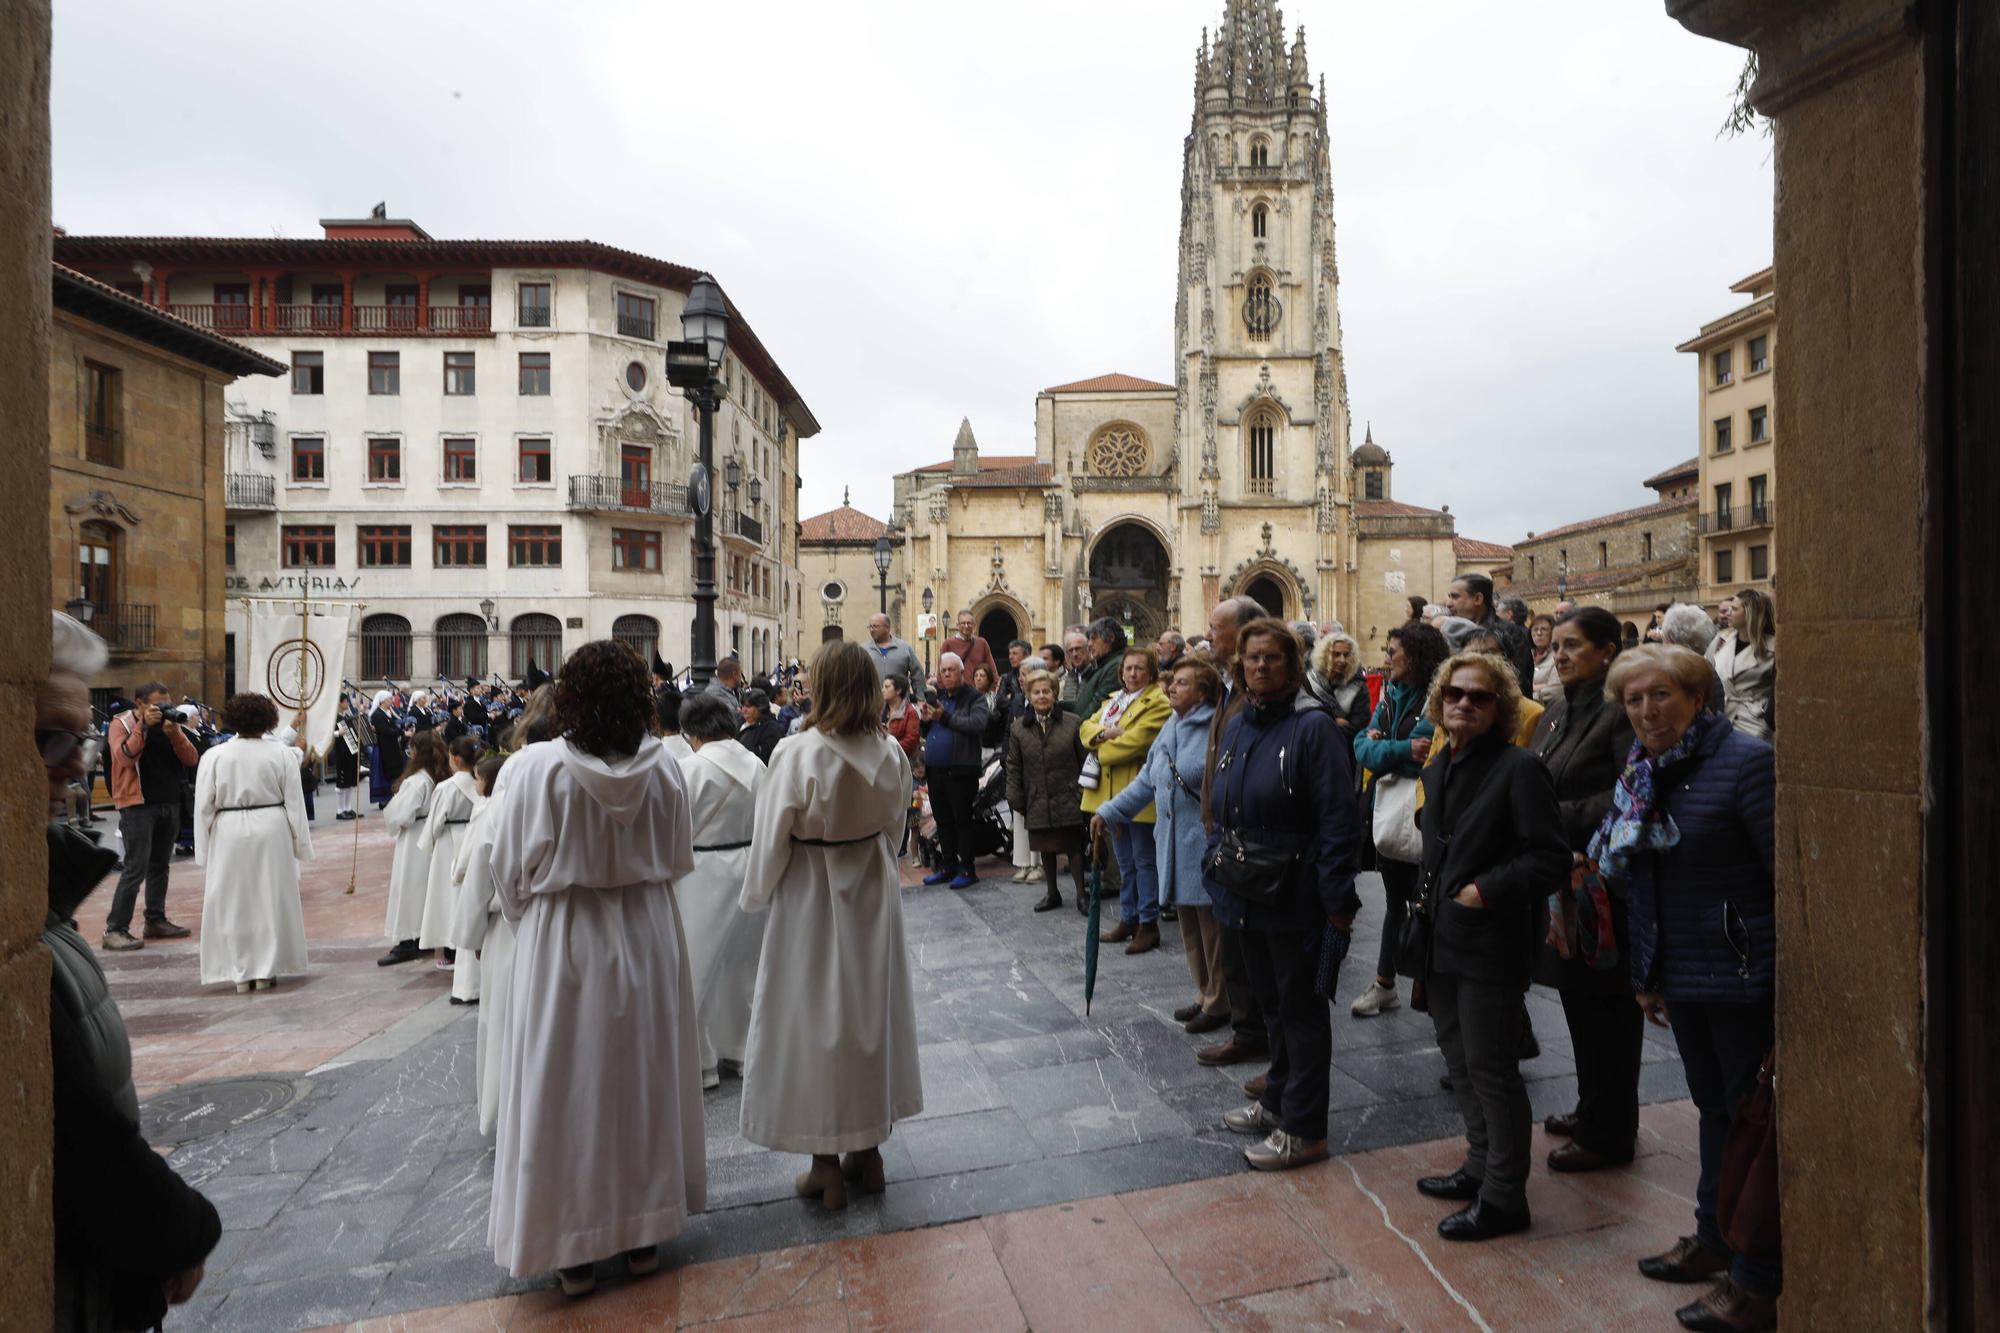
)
(477, 442)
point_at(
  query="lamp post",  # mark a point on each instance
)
(486, 614)
(1562, 582)
(884, 553)
(693, 365)
(924, 636)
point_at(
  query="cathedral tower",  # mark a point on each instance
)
(1261, 402)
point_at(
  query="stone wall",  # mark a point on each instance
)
(26, 1229)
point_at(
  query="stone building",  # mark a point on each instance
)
(1628, 562)
(477, 442)
(137, 531)
(1737, 431)
(1149, 501)
(841, 581)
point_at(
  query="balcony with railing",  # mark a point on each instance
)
(224, 318)
(331, 319)
(636, 326)
(249, 492)
(740, 526)
(126, 627)
(1737, 520)
(617, 495)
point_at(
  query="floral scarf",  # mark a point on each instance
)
(1635, 823)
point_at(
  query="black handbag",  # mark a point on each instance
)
(1255, 865)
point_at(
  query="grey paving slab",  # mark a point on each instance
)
(369, 1194)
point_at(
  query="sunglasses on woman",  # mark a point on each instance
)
(1452, 694)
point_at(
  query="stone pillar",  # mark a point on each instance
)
(1887, 1190)
(26, 1227)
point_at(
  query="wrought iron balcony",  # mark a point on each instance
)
(741, 526)
(127, 627)
(249, 491)
(1737, 520)
(535, 317)
(636, 326)
(619, 496)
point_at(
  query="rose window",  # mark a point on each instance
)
(1118, 451)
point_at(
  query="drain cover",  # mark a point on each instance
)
(200, 1110)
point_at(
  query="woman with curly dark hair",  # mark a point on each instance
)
(599, 1144)
(250, 832)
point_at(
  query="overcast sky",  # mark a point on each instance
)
(932, 210)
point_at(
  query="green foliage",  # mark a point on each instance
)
(1743, 118)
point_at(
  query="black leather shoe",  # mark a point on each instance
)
(1201, 1023)
(1562, 1124)
(1186, 1011)
(1574, 1157)
(1457, 1186)
(1688, 1261)
(1480, 1220)
(1049, 902)
(404, 951)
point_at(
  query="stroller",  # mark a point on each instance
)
(992, 822)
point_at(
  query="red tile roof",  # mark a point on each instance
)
(845, 524)
(1034, 474)
(1608, 520)
(81, 294)
(1392, 509)
(987, 463)
(1691, 468)
(1469, 548)
(1112, 383)
(1599, 579)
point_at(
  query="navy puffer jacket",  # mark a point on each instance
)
(1703, 913)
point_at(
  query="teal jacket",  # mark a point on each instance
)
(1392, 718)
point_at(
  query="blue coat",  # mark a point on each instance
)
(1703, 912)
(1289, 775)
(1178, 835)
(1399, 703)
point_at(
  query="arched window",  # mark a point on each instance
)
(461, 646)
(1260, 152)
(534, 638)
(1260, 308)
(639, 633)
(1262, 433)
(385, 648)
(1260, 221)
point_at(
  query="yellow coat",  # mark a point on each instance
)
(1124, 757)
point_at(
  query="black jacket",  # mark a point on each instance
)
(124, 1221)
(1520, 649)
(1490, 816)
(1584, 739)
(1287, 772)
(966, 721)
(761, 738)
(389, 741)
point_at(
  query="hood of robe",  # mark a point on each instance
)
(468, 784)
(736, 763)
(622, 786)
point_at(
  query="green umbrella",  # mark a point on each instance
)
(1090, 933)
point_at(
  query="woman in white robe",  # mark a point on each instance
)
(451, 810)
(599, 1146)
(481, 931)
(250, 833)
(832, 1059)
(406, 814)
(723, 940)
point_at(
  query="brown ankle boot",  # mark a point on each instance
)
(863, 1170)
(1146, 938)
(1119, 933)
(825, 1180)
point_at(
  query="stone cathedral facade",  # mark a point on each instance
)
(1150, 501)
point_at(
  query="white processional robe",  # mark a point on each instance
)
(723, 940)
(832, 1061)
(599, 1147)
(678, 747)
(250, 833)
(451, 810)
(478, 928)
(411, 868)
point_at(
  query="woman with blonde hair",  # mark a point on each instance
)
(831, 1061)
(1335, 678)
(1118, 735)
(1745, 656)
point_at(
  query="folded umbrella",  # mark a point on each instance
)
(1095, 914)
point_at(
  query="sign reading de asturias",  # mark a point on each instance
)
(292, 583)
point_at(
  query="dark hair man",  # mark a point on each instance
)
(150, 757)
(1471, 596)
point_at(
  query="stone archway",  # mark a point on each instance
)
(1269, 593)
(998, 626)
(1129, 573)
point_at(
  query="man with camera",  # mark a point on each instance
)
(150, 757)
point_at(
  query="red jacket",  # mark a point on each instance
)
(128, 742)
(972, 652)
(906, 731)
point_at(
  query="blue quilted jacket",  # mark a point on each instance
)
(1703, 914)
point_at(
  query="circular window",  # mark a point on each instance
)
(635, 377)
(1118, 451)
(832, 590)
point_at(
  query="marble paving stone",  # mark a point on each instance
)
(758, 1176)
(486, 1316)
(955, 1081)
(995, 1003)
(1088, 1265)
(1335, 1303)
(1101, 1104)
(1226, 1237)
(249, 1202)
(383, 1154)
(619, 1304)
(1055, 1048)
(292, 1148)
(780, 1280)
(434, 1279)
(940, 1277)
(309, 1241)
(968, 1142)
(451, 1209)
(297, 1302)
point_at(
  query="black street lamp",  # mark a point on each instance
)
(884, 553)
(925, 637)
(694, 366)
(1562, 582)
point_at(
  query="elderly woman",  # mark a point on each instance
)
(1583, 740)
(1493, 848)
(899, 716)
(1689, 626)
(832, 1063)
(599, 1144)
(1045, 752)
(1541, 640)
(1690, 833)
(250, 832)
(1745, 657)
(1336, 680)
(1395, 745)
(1279, 865)
(1118, 736)
(1170, 785)
(1100, 675)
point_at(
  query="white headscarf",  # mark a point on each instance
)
(383, 697)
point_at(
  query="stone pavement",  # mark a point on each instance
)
(1347, 1244)
(366, 1195)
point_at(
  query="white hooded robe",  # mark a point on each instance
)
(832, 1061)
(723, 941)
(451, 810)
(599, 1146)
(411, 868)
(478, 928)
(250, 833)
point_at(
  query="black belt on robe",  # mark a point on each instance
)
(723, 847)
(274, 805)
(833, 842)
(466, 820)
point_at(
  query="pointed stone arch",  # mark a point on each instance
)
(1291, 581)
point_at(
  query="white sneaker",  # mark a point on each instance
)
(1251, 1119)
(1375, 1000)
(1021, 875)
(1282, 1152)
(1032, 875)
(710, 1079)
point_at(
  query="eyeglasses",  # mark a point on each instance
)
(1452, 694)
(57, 747)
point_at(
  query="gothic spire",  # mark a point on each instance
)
(1249, 51)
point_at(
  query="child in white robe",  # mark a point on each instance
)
(479, 930)
(406, 815)
(451, 810)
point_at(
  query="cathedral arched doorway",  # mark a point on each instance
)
(999, 628)
(1268, 593)
(1128, 580)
